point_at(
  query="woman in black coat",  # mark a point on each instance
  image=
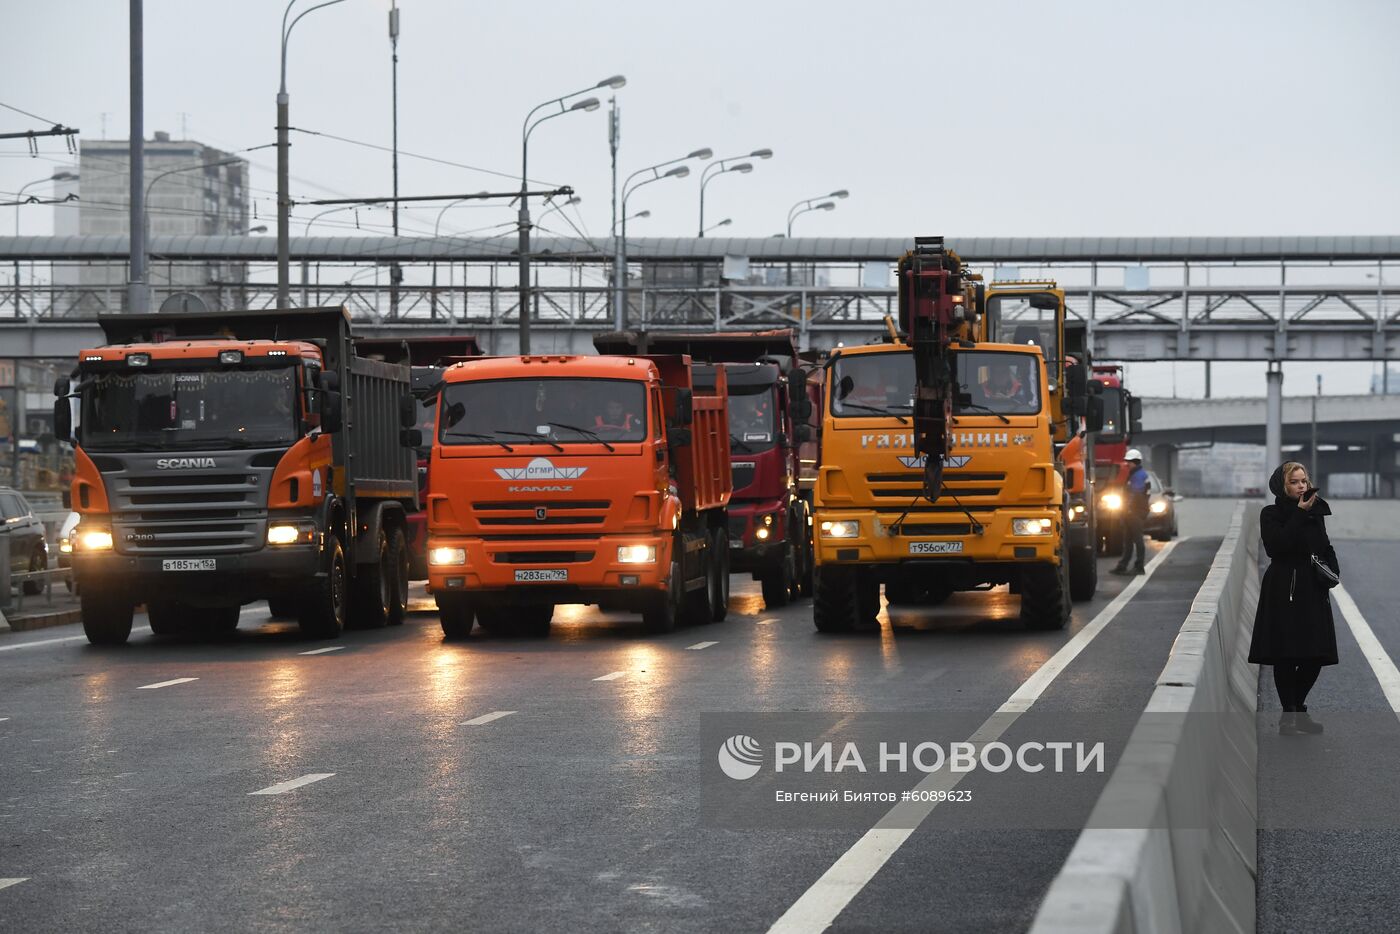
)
(1293, 628)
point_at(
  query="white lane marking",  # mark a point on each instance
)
(332, 648)
(1381, 664)
(30, 645)
(611, 676)
(165, 684)
(487, 717)
(6, 883)
(828, 897)
(771, 619)
(3, 719)
(251, 609)
(700, 645)
(282, 787)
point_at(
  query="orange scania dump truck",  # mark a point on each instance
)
(579, 479)
(232, 457)
(939, 468)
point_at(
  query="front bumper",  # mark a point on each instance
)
(237, 578)
(747, 552)
(591, 570)
(875, 545)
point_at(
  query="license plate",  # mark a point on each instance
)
(187, 564)
(523, 575)
(736, 543)
(935, 548)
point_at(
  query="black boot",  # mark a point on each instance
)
(1305, 723)
(1288, 724)
(1120, 569)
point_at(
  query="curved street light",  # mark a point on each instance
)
(620, 236)
(284, 204)
(724, 223)
(802, 207)
(527, 127)
(63, 176)
(724, 165)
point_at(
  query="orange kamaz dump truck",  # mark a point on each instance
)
(579, 479)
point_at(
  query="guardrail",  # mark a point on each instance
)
(47, 578)
(1171, 844)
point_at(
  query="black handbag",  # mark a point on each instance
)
(1327, 577)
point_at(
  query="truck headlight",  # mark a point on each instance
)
(1157, 508)
(761, 533)
(1112, 502)
(1078, 509)
(845, 528)
(441, 557)
(636, 554)
(290, 533)
(230, 356)
(65, 546)
(95, 540)
(1031, 526)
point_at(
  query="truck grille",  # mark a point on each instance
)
(742, 475)
(556, 513)
(738, 525)
(959, 483)
(542, 557)
(922, 529)
(193, 513)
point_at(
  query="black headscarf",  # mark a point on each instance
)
(1281, 498)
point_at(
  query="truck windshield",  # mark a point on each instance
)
(995, 383)
(1014, 319)
(557, 409)
(167, 409)
(1112, 397)
(751, 417)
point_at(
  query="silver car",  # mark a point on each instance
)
(22, 537)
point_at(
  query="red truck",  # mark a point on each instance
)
(561, 478)
(770, 531)
(1122, 418)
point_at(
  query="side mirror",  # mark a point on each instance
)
(1071, 477)
(411, 437)
(797, 387)
(962, 398)
(1134, 415)
(1077, 381)
(845, 387)
(408, 410)
(804, 409)
(782, 439)
(685, 407)
(1044, 301)
(332, 417)
(62, 419)
(677, 437)
(67, 498)
(60, 387)
(330, 381)
(805, 434)
(1093, 415)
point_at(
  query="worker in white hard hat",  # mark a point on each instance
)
(1136, 491)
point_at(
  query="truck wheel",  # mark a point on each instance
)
(846, 598)
(699, 603)
(106, 620)
(282, 607)
(661, 615)
(806, 583)
(374, 588)
(1083, 573)
(167, 618)
(322, 612)
(494, 619)
(719, 603)
(1045, 594)
(456, 616)
(777, 582)
(532, 622)
(399, 577)
(222, 621)
(39, 561)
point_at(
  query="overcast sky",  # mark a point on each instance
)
(969, 118)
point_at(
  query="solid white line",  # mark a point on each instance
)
(6, 883)
(3, 719)
(828, 897)
(700, 645)
(294, 783)
(611, 676)
(1386, 672)
(332, 648)
(165, 684)
(771, 619)
(30, 645)
(487, 717)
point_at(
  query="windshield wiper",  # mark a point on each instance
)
(475, 434)
(584, 431)
(538, 439)
(739, 441)
(871, 408)
(975, 405)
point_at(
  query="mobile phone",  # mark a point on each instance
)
(1311, 492)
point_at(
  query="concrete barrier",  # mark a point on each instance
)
(1170, 845)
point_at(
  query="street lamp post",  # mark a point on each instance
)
(527, 127)
(810, 204)
(620, 235)
(724, 223)
(146, 215)
(726, 165)
(284, 205)
(64, 176)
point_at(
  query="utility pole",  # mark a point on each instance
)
(395, 271)
(136, 295)
(614, 140)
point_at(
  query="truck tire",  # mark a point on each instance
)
(699, 603)
(494, 619)
(661, 616)
(106, 620)
(1045, 595)
(806, 582)
(532, 622)
(719, 603)
(322, 611)
(282, 607)
(778, 582)
(847, 598)
(456, 615)
(221, 621)
(375, 591)
(399, 569)
(1083, 573)
(167, 617)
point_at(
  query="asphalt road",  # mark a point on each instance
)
(497, 784)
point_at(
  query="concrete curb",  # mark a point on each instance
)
(1185, 784)
(41, 620)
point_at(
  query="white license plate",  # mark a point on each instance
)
(736, 543)
(935, 548)
(523, 575)
(187, 564)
